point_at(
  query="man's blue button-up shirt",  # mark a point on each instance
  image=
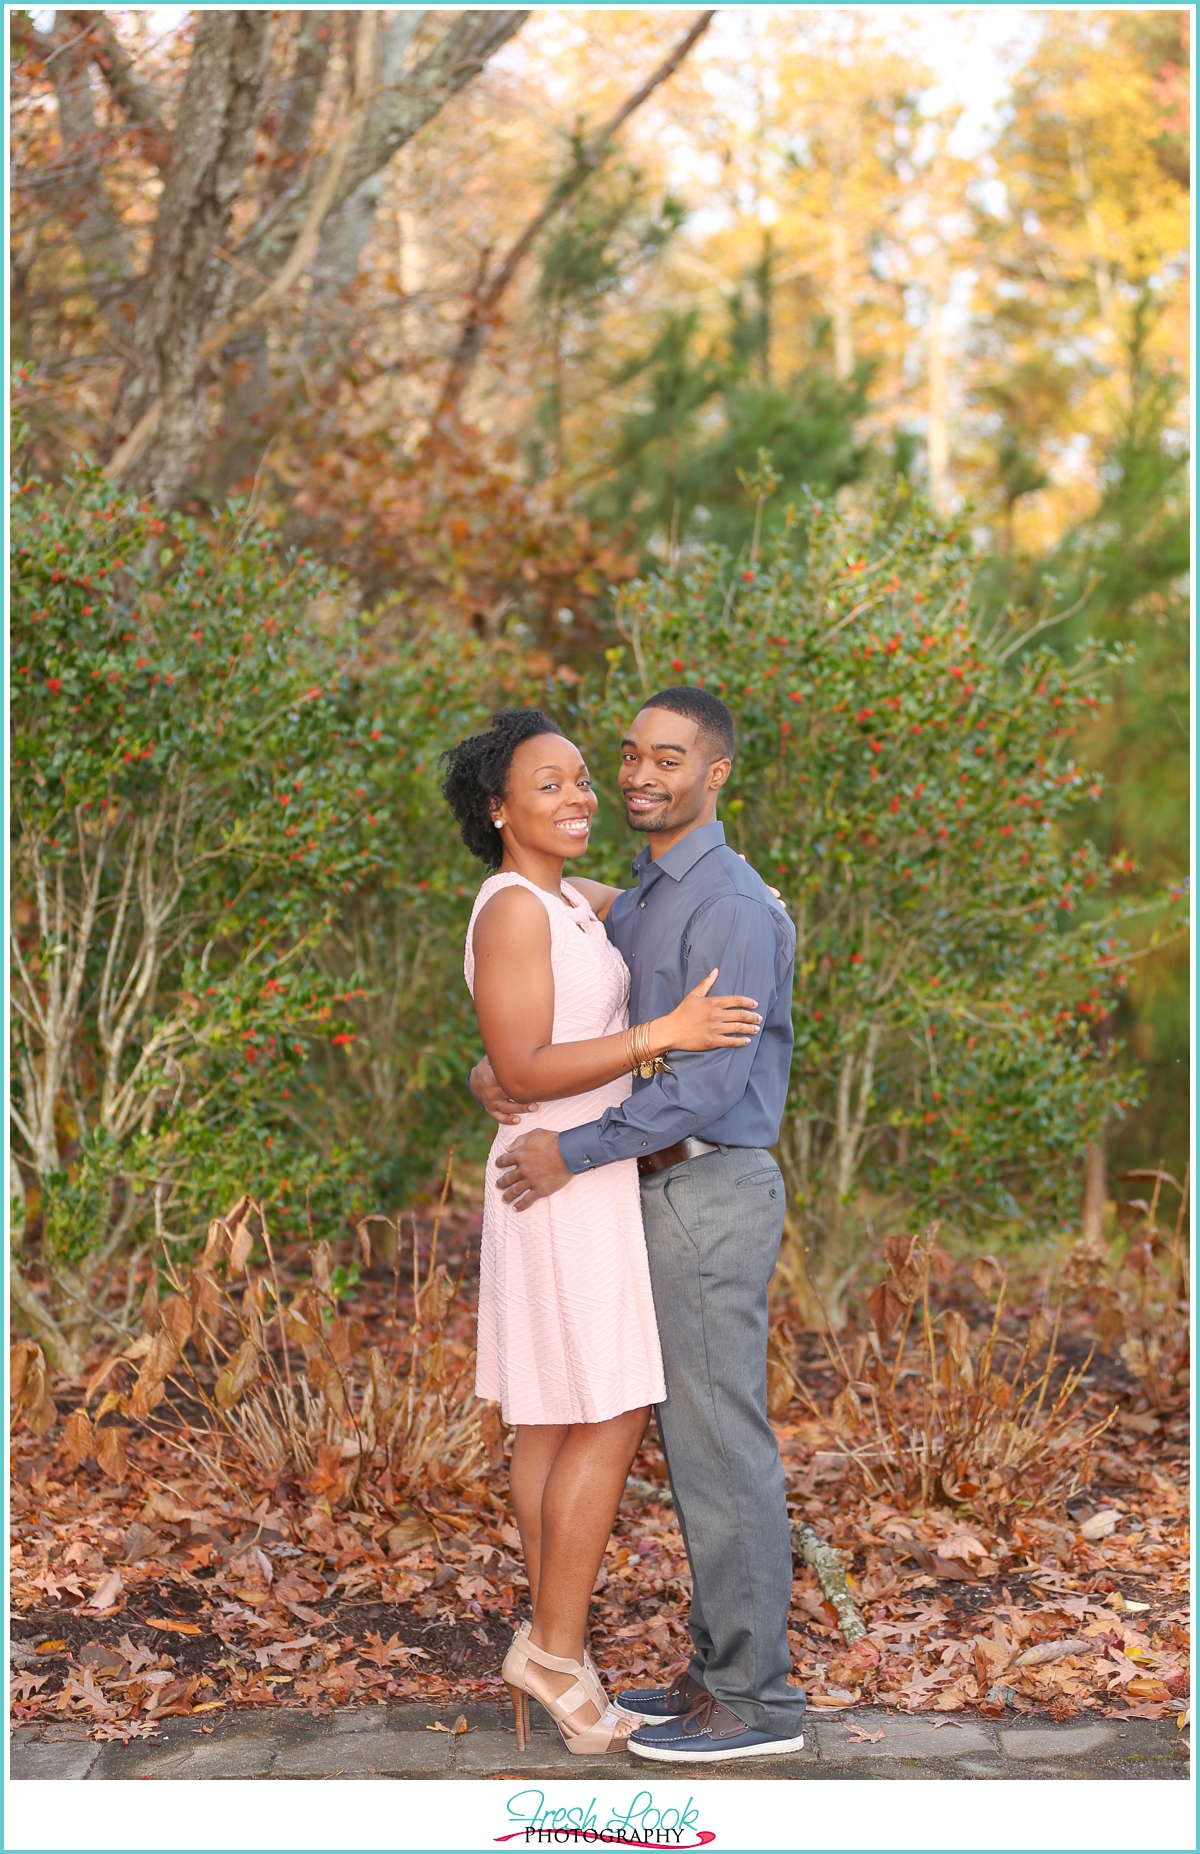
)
(697, 907)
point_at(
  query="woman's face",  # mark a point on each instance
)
(548, 802)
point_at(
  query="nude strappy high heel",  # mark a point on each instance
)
(607, 1733)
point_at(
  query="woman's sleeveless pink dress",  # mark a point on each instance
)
(567, 1332)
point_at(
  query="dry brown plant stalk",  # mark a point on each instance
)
(1142, 1298)
(977, 1422)
(342, 1412)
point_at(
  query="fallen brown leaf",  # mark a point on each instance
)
(1054, 1651)
(137, 1658)
(110, 1587)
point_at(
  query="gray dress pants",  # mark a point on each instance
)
(713, 1226)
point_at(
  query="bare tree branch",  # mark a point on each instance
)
(485, 301)
(38, 1320)
(397, 112)
(380, 121)
(128, 89)
(52, 1006)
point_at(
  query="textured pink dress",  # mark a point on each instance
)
(567, 1332)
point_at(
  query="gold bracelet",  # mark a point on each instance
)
(639, 1046)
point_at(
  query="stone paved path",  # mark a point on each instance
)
(395, 1741)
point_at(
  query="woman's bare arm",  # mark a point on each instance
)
(514, 1002)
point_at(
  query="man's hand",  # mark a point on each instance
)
(533, 1167)
(492, 1098)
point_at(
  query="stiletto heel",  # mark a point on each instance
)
(520, 1706)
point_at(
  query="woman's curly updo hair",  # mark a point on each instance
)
(477, 773)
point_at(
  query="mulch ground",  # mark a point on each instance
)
(181, 1591)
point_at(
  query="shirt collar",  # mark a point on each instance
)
(682, 856)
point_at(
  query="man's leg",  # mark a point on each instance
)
(702, 1642)
(712, 1235)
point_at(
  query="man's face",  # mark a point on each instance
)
(667, 776)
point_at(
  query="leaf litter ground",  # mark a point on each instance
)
(192, 1589)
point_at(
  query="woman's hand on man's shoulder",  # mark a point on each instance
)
(598, 895)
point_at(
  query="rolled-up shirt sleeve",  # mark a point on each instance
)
(733, 933)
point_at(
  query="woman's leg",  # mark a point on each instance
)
(534, 1448)
(580, 1496)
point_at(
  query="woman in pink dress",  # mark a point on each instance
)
(568, 1343)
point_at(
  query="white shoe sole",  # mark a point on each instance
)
(780, 1748)
(649, 1718)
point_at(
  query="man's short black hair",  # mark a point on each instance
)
(708, 711)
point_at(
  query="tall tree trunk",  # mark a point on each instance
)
(1095, 1157)
(185, 286)
(250, 392)
(348, 227)
(410, 272)
(765, 304)
(839, 308)
(1106, 293)
(938, 405)
(89, 210)
(1095, 1187)
(298, 102)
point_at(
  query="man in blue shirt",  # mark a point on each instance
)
(712, 1204)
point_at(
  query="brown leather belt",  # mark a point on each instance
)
(690, 1148)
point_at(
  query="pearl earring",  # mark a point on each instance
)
(499, 823)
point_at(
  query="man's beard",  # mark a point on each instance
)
(650, 821)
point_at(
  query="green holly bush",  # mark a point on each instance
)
(238, 908)
(239, 902)
(906, 779)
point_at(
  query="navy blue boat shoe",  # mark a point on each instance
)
(708, 1734)
(662, 1702)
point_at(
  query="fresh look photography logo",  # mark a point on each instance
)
(642, 1823)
